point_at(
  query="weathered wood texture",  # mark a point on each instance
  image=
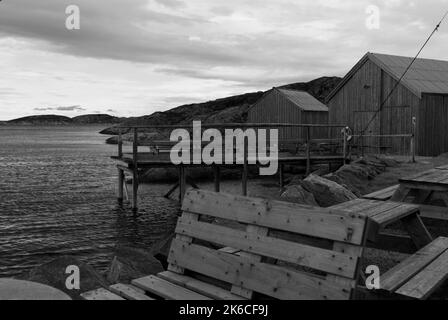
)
(286, 251)
(356, 102)
(383, 194)
(432, 124)
(421, 274)
(276, 108)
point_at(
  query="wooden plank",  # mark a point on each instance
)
(100, 294)
(304, 255)
(397, 276)
(166, 289)
(129, 292)
(189, 217)
(382, 195)
(383, 213)
(357, 205)
(251, 230)
(271, 280)
(417, 230)
(434, 212)
(420, 175)
(401, 193)
(198, 286)
(428, 280)
(431, 176)
(425, 186)
(395, 213)
(339, 226)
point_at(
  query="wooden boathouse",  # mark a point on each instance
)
(290, 106)
(418, 106)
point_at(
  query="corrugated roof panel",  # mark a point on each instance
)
(425, 76)
(304, 100)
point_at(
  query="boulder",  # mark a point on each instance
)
(297, 194)
(54, 275)
(132, 263)
(353, 177)
(326, 192)
(161, 249)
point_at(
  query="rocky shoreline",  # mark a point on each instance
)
(319, 189)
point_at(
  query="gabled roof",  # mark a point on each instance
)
(303, 100)
(425, 75)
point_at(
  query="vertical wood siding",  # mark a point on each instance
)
(275, 108)
(432, 127)
(356, 103)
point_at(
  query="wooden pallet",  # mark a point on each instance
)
(282, 250)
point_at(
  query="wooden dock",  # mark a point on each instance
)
(307, 154)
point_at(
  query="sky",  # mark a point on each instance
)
(136, 57)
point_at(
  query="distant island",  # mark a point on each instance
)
(57, 120)
(225, 110)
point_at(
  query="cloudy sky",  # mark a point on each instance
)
(134, 57)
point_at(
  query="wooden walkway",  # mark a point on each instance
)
(138, 162)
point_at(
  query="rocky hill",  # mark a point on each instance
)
(226, 110)
(96, 119)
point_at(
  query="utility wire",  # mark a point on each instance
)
(401, 78)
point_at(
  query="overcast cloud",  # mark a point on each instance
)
(135, 57)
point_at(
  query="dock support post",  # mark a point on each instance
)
(135, 172)
(281, 176)
(182, 183)
(308, 151)
(414, 122)
(120, 186)
(120, 144)
(217, 177)
(245, 167)
(344, 151)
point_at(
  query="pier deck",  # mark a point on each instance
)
(307, 153)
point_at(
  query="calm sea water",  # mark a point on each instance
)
(57, 197)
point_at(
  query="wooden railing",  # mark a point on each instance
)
(307, 141)
(362, 146)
